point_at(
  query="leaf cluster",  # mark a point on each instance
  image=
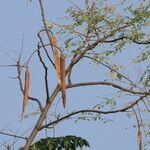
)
(106, 104)
(59, 143)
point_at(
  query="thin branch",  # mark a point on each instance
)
(41, 41)
(21, 66)
(93, 111)
(109, 84)
(10, 56)
(148, 109)
(67, 27)
(137, 119)
(38, 101)
(19, 76)
(13, 135)
(29, 59)
(46, 74)
(48, 32)
(110, 69)
(127, 38)
(69, 76)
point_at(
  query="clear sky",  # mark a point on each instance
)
(18, 18)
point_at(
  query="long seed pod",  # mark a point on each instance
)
(26, 90)
(140, 138)
(56, 56)
(63, 82)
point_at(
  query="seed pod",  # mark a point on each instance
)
(56, 56)
(63, 82)
(26, 90)
(140, 138)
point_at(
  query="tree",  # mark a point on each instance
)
(99, 33)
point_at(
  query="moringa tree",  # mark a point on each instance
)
(111, 36)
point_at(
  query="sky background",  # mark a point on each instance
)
(18, 18)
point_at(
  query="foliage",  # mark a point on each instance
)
(144, 56)
(104, 21)
(106, 104)
(60, 143)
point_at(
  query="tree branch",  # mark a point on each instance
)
(41, 41)
(38, 101)
(13, 135)
(46, 75)
(109, 84)
(93, 111)
(128, 38)
(77, 58)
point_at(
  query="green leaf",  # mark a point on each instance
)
(60, 143)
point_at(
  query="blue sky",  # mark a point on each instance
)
(20, 18)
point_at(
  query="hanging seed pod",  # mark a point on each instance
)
(63, 82)
(26, 90)
(56, 56)
(140, 138)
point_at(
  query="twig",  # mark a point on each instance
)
(13, 135)
(41, 41)
(46, 74)
(127, 38)
(148, 109)
(38, 102)
(110, 69)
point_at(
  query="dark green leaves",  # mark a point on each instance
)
(60, 143)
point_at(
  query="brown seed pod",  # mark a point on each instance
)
(140, 138)
(62, 76)
(26, 90)
(56, 56)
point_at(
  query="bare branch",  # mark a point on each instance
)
(127, 38)
(38, 102)
(46, 75)
(13, 135)
(41, 41)
(109, 84)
